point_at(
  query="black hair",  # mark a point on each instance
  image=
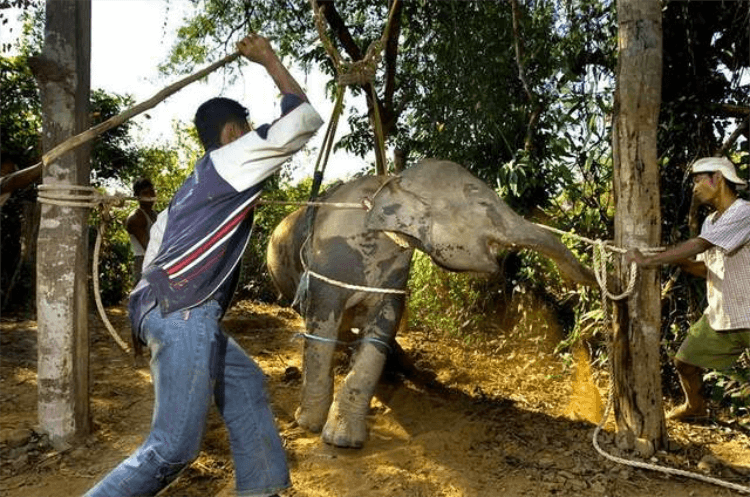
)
(211, 117)
(141, 184)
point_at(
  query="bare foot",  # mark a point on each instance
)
(687, 413)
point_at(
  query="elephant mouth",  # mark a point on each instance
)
(494, 249)
(480, 258)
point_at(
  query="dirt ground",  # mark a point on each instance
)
(503, 416)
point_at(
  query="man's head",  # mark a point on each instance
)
(143, 188)
(220, 121)
(714, 175)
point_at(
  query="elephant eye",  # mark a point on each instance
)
(470, 190)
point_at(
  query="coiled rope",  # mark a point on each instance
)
(65, 195)
(600, 271)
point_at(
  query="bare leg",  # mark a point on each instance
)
(691, 379)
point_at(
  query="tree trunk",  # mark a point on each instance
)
(62, 71)
(636, 359)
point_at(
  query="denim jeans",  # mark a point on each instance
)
(193, 361)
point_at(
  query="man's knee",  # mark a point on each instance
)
(685, 369)
(171, 461)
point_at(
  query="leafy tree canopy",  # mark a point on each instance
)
(474, 82)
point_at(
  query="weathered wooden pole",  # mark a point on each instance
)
(637, 321)
(62, 71)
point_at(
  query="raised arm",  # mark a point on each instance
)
(257, 49)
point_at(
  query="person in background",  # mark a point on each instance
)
(139, 223)
(185, 290)
(721, 254)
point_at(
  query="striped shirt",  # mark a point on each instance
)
(195, 249)
(728, 267)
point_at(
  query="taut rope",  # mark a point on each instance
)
(600, 271)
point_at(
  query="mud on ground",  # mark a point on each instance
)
(498, 417)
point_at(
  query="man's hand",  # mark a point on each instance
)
(257, 49)
(635, 255)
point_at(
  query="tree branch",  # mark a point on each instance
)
(741, 129)
(533, 100)
(391, 52)
(340, 30)
(388, 115)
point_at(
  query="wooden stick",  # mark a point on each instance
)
(110, 123)
(81, 138)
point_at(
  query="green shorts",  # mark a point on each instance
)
(708, 349)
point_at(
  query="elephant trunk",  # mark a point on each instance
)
(547, 243)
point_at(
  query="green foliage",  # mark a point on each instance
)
(732, 387)
(116, 162)
(20, 111)
(441, 301)
(113, 154)
(115, 257)
(32, 33)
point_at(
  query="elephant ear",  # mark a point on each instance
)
(395, 209)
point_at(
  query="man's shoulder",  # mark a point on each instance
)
(741, 205)
(134, 217)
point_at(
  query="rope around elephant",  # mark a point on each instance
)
(600, 251)
(66, 195)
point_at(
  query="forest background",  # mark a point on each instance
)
(519, 92)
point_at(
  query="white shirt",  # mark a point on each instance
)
(139, 249)
(728, 267)
(155, 236)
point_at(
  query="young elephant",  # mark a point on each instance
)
(356, 266)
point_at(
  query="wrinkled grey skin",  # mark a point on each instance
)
(439, 208)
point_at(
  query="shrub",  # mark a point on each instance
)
(442, 301)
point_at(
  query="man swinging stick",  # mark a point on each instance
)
(722, 256)
(177, 306)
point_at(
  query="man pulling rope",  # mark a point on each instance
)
(722, 256)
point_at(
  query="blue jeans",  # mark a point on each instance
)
(193, 360)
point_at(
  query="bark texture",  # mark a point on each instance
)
(62, 72)
(636, 360)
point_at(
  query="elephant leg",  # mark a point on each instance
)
(346, 425)
(317, 376)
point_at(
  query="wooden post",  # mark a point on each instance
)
(62, 71)
(637, 322)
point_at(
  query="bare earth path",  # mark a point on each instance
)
(487, 419)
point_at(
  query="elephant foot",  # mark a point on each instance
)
(309, 419)
(345, 430)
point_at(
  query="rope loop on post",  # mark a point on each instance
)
(87, 197)
(600, 272)
(600, 249)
